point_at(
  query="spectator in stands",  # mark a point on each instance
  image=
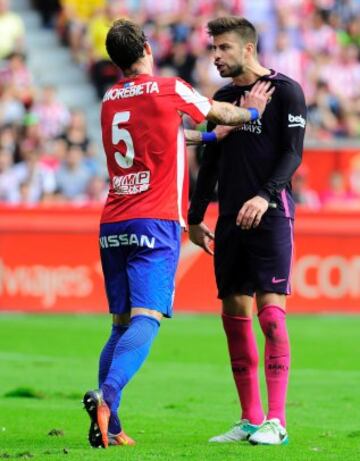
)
(12, 30)
(15, 72)
(29, 135)
(12, 110)
(324, 113)
(302, 193)
(15, 78)
(8, 138)
(318, 35)
(47, 10)
(286, 58)
(345, 66)
(103, 71)
(73, 176)
(181, 60)
(76, 132)
(338, 195)
(54, 153)
(7, 178)
(73, 21)
(96, 192)
(350, 35)
(53, 115)
(34, 181)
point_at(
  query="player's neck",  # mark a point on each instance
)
(253, 71)
(139, 68)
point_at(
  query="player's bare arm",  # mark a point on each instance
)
(227, 116)
(202, 236)
(251, 212)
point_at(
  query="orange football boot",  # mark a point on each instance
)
(120, 439)
(99, 413)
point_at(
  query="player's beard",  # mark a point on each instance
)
(233, 71)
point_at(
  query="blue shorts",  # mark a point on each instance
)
(139, 259)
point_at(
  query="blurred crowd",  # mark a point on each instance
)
(45, 151)
(46, 154)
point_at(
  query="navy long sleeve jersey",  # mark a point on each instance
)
(258, 158)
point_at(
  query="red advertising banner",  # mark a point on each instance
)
(49, 262)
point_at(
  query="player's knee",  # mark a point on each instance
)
(146, 312)
(238, 305)
(121, 319)
(272, 323)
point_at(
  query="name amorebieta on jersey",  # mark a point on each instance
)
(130, 90)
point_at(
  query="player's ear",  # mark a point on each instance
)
(147, 48)
(250, 49)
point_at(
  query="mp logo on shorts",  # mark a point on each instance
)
(296, 121)
(132, 183)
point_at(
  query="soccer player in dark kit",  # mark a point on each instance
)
(254, 233)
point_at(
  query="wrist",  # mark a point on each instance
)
(208, 137)
(254, 113)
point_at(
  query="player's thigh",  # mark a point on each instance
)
(151, 268)
(270, 253)
(231, 265)
(113, 261)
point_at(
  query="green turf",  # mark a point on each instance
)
(183, 395)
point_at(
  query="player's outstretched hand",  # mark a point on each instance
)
(201, 235)
(251, 212)
(258, 96)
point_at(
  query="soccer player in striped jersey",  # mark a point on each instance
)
(143, 216)
(254, 233)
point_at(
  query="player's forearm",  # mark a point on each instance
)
(223, 113)
(282, 174)
(193, 137)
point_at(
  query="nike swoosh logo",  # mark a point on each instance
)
(275, 280)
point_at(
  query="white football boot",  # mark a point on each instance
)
(271, 432)
(241, 431)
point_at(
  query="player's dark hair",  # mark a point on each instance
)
(241, 26)
(125, 43)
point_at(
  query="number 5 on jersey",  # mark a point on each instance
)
(120, 134)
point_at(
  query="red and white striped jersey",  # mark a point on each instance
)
(145, 147)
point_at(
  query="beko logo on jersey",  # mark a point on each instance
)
(111, 241)
(296, 120)
(132, 183)
(129, 91)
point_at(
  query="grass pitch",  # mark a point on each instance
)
(183, 395)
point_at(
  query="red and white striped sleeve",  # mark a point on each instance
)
(189, 101)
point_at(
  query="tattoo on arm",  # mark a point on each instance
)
(223, 113)
(192, 137)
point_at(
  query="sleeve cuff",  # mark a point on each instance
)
(264, 194)
(194, 219)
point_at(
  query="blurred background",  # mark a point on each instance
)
(54, 70)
